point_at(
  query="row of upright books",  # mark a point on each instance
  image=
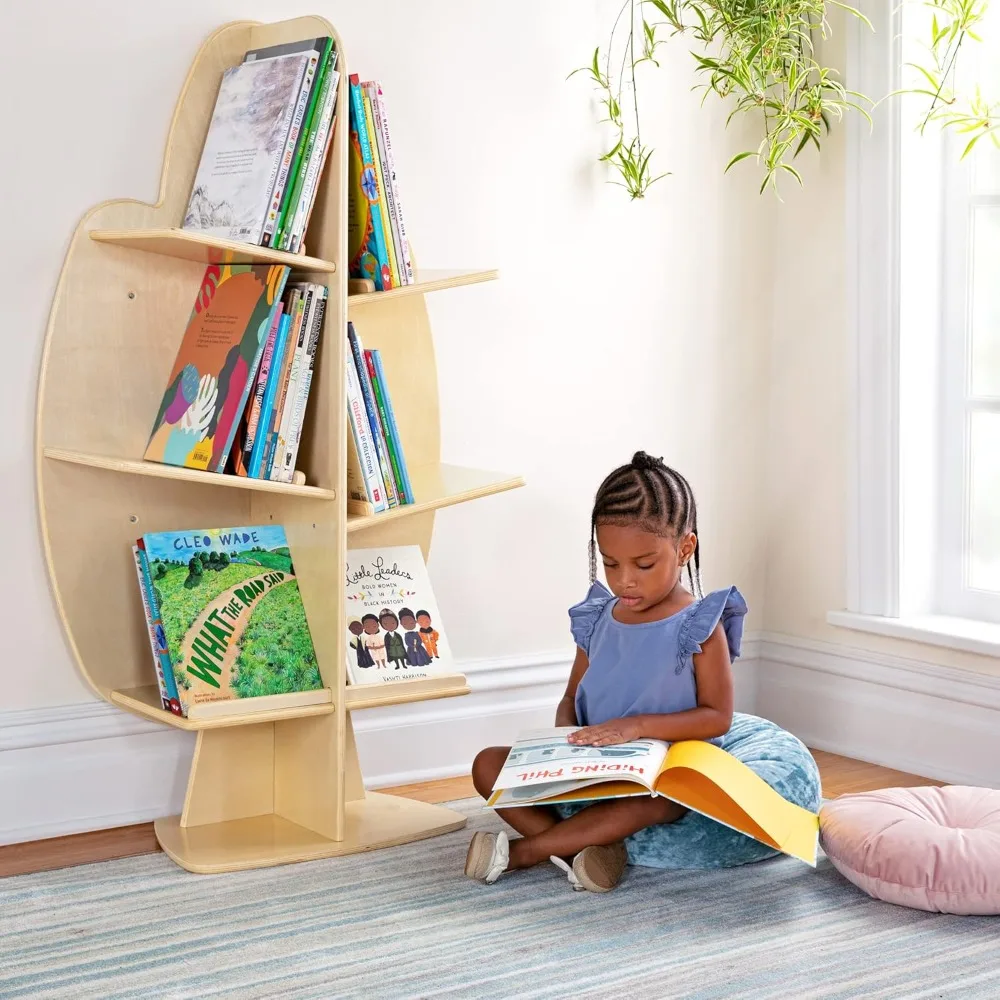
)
(378, 248)
(377, 473)
(267, 143)
(237, 394)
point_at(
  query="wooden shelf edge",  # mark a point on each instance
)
(435, 282)
(206, 249)
(144, 701)
(360, 522)
(374, 822)
(405, 692)
(136, 467)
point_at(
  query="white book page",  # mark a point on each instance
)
(546, 757)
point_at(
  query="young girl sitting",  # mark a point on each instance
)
(653, 661)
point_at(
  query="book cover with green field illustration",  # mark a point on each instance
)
(232, 613)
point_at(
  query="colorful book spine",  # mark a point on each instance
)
(253, 412)
(160, 636)
(390, 417)
(267, 404)
(289, 153)
(282, 230)
(294, 350)
(390, 246)
(364, 441)
(241, 403)
(356, 488)
(302, 393)
(161, 682)
(383, 419)
(358, 350)
(369, 187)
(317, 160)
(391, 186)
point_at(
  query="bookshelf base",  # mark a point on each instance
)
(373, 822)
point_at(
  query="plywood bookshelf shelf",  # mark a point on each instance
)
(186, 245)
(145, 701)
(429, 280)
(404, 692)
(435, 486)
(272, 780)
(138, 467)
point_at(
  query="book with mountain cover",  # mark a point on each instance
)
(232, 614)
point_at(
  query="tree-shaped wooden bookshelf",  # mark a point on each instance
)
(275, 782)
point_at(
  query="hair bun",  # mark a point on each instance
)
(640, 460)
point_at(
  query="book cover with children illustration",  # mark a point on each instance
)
(232, 613)
(394, 630)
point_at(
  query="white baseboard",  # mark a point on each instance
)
(936, 721)
(75, 768)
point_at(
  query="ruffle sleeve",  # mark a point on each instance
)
(583, 616)
(727, 606)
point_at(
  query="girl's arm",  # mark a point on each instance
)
(566, 711)
(714, 715)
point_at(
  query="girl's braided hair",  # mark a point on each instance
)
(651, 496)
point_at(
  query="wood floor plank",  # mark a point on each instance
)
(841, 776)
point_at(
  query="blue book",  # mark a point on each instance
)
(166, 664)
(267, 405)
(369, 186)
(397, 444)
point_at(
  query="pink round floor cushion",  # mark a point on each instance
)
(934, 849)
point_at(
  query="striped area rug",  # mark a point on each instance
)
(406, 923)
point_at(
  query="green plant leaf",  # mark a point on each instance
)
(736, 159)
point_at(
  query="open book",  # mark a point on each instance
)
(544, 768)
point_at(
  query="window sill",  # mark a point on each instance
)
(935, 630)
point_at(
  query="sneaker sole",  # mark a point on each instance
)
(599, 869)
(478, 859)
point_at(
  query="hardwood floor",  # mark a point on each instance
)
(841, 776)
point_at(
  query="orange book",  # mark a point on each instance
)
(215, 366)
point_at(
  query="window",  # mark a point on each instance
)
(924, 240)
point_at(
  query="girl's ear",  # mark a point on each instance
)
(686, 548)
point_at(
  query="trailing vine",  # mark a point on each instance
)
(955, 23)
(757, 54)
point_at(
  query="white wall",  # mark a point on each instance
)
(841, 690)
(616, 326)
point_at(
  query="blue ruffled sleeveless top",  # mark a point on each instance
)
(646, 668)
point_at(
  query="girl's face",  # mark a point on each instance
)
(642, 569)
(356, 628)
(389, 623)
(371, 626)
(423, 620)
(407, 621)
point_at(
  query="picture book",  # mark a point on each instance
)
(232, 614)
(394, 630)
(210, 381)
(543, 767)
(241, 158)
(157, 639)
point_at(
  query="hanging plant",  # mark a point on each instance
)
(954, 23)
(759, 55)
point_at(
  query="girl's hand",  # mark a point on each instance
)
(606, 734)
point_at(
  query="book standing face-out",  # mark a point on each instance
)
(543, 767)
(394, 630)
(225, 615)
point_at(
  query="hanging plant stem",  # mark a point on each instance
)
(629, 157)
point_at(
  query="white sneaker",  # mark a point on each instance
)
(488, 856)
(595, 869)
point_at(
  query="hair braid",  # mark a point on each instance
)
(650, 495)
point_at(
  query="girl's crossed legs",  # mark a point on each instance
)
(545, 834)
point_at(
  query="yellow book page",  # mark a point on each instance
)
(603, 790)
(705, 778)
